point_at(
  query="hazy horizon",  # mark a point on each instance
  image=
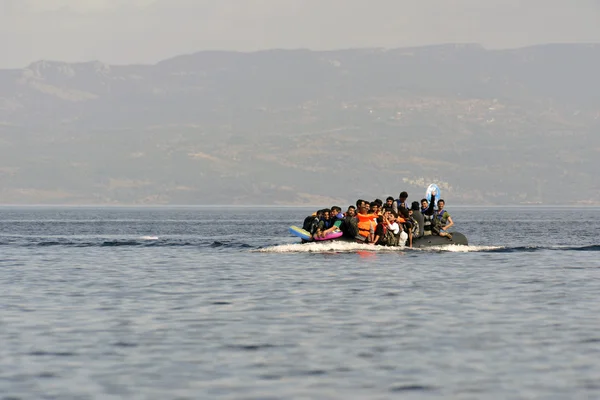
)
(333, 49)
(121, 32)
(215, 128)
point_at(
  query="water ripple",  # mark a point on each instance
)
(139, 304)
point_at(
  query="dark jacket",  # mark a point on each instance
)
(418, 216)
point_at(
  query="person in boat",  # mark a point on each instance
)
(384, 231)
(351, 211)
(392, 234)
(336, 219)
(312, 221)
(413, 226)
(424, 205)
(380, 231)
(325, 224)
(375, 210)
(408, 224)
(337, 216)
(427, 209)
(389, 204)
(442, 220)
(350, 224)
(400, 203)
(417, 215)
(362, 205)
(366, 224)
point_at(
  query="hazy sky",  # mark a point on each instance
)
(134, 31)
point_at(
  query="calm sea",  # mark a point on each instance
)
(206, 303)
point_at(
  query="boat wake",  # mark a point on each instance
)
(456, 248)
(149, 238)
(225, 244)
(325, 247)
(345, 247)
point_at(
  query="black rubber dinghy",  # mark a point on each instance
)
(433, 240)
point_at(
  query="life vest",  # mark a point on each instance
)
(442, 216)
(389, 239)
(400, 204)
(365, 222)
(439, 219)
(414, 227)
(427, 225)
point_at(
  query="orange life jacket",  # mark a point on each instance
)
(364, 223)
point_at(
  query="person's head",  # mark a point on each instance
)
(326, 213)
(403, 196)
(414, 206)
(351, 211)
(380, 219)
(424, 203)
(379, 202)
(336, 212)
(374, 207)
(389, 201)
(404, 213)
(441, 203)
(362, 206)
(390, 216)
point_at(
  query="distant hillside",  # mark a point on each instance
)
(304, 127)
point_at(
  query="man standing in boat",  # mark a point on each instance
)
(427, 209)
(400, 203)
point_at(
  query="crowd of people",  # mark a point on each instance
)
(393, 223)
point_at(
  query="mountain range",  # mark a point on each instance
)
(299, 127)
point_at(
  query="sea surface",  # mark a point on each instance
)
(222, 303)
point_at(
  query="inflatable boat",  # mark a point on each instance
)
(433, 240)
